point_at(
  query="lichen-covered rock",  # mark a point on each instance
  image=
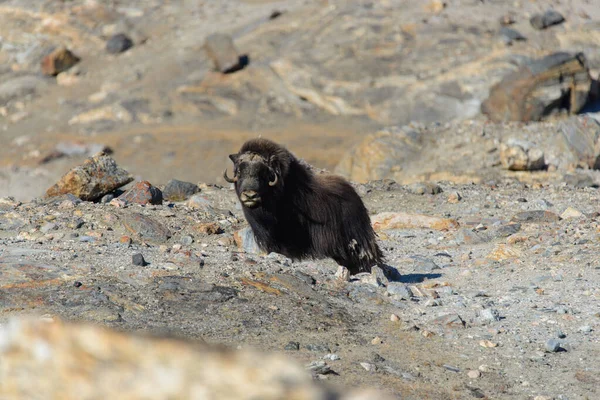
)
(97, 176)
(539, 88)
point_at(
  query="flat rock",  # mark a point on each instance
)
(146, 228)
(535, 216)
(539, 88)
(399, 220)
(58, 61)
(97, 176)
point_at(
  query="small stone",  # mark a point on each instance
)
(423, 264)
(77, 284)
(535, 216)
(400, 290)
(220, 49)
(138, 259)
(507, 19)
(209, 228)
(118, 43)
(376, 340)
(451, 368)
(199, 202)
(510, 35)
(319, 367)
(488, 344)
(146, 228)
(450, 321)
(454, 197)
(490, 314)
(484, 368)
(368, 366)
(126, 240)
(107, 198)
(474, 374)
(394, 317)
(143, 193)
(332, 357)
(571, 212)
(552, 346)
(48, 227)
(586, 329)
(425, 188)
(379, 276)
(58, 61)
(292, 346)
(549, 18)
(179, 190)
(246, 242)
(318, 347)
(186, 240)
(560, 334)
(342, 274)
(435, 6)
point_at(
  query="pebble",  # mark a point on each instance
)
(186, 240)
(552, 346)
(451, 368)
(118, 43)
(510, 35)
(368, 366)
(474, 374)
(342, 274)
(560, 334)
(48, 227)
(454, 197)
(376, 340)
(332, 357)
(138, 259)
(586, 329)
(423, 264)
(490, 314)
(394, 318)
(549, 18)
(424, 188)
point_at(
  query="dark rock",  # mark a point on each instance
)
(221, 50)
(179, 191)
(138, 259)
(146, 228)
(510, 35)
(275, 14)
(535, 216)
(97, 176)
(119, 43)
(292, 346)
(549, 18)
(540, 87)
(143, 193)
(58, 61)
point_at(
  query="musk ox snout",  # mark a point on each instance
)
(250, 198)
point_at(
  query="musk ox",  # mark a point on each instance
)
(297, 213)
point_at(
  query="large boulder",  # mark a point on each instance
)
(71, 361)
(97, 176)
(560, 81)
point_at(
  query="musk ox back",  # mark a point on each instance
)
(299, 214)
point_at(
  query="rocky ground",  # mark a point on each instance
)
(454, 119)
(497, 296)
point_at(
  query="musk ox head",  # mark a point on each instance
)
(256, 177)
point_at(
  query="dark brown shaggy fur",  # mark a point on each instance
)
(299, 214)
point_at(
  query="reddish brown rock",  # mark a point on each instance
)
(58, 61)
(142, 193)
(97, 176)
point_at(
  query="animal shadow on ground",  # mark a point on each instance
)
(394, 276)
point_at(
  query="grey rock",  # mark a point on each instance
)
(118, 43)
(19, 87)
(535, 216)
(146, 228)
(423, 264)
(138, 259)
(586, 329)
(490, 314)
(400, 290)
(425, 188)
(549, 18)
(560, 334)
(318, 347)
(552, 346)
(319, 367)
(48, 227)
(510, 35)
(292, 346)
(179, 190)
(220, 49)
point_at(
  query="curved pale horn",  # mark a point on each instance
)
(228, 179)
(274, 182)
